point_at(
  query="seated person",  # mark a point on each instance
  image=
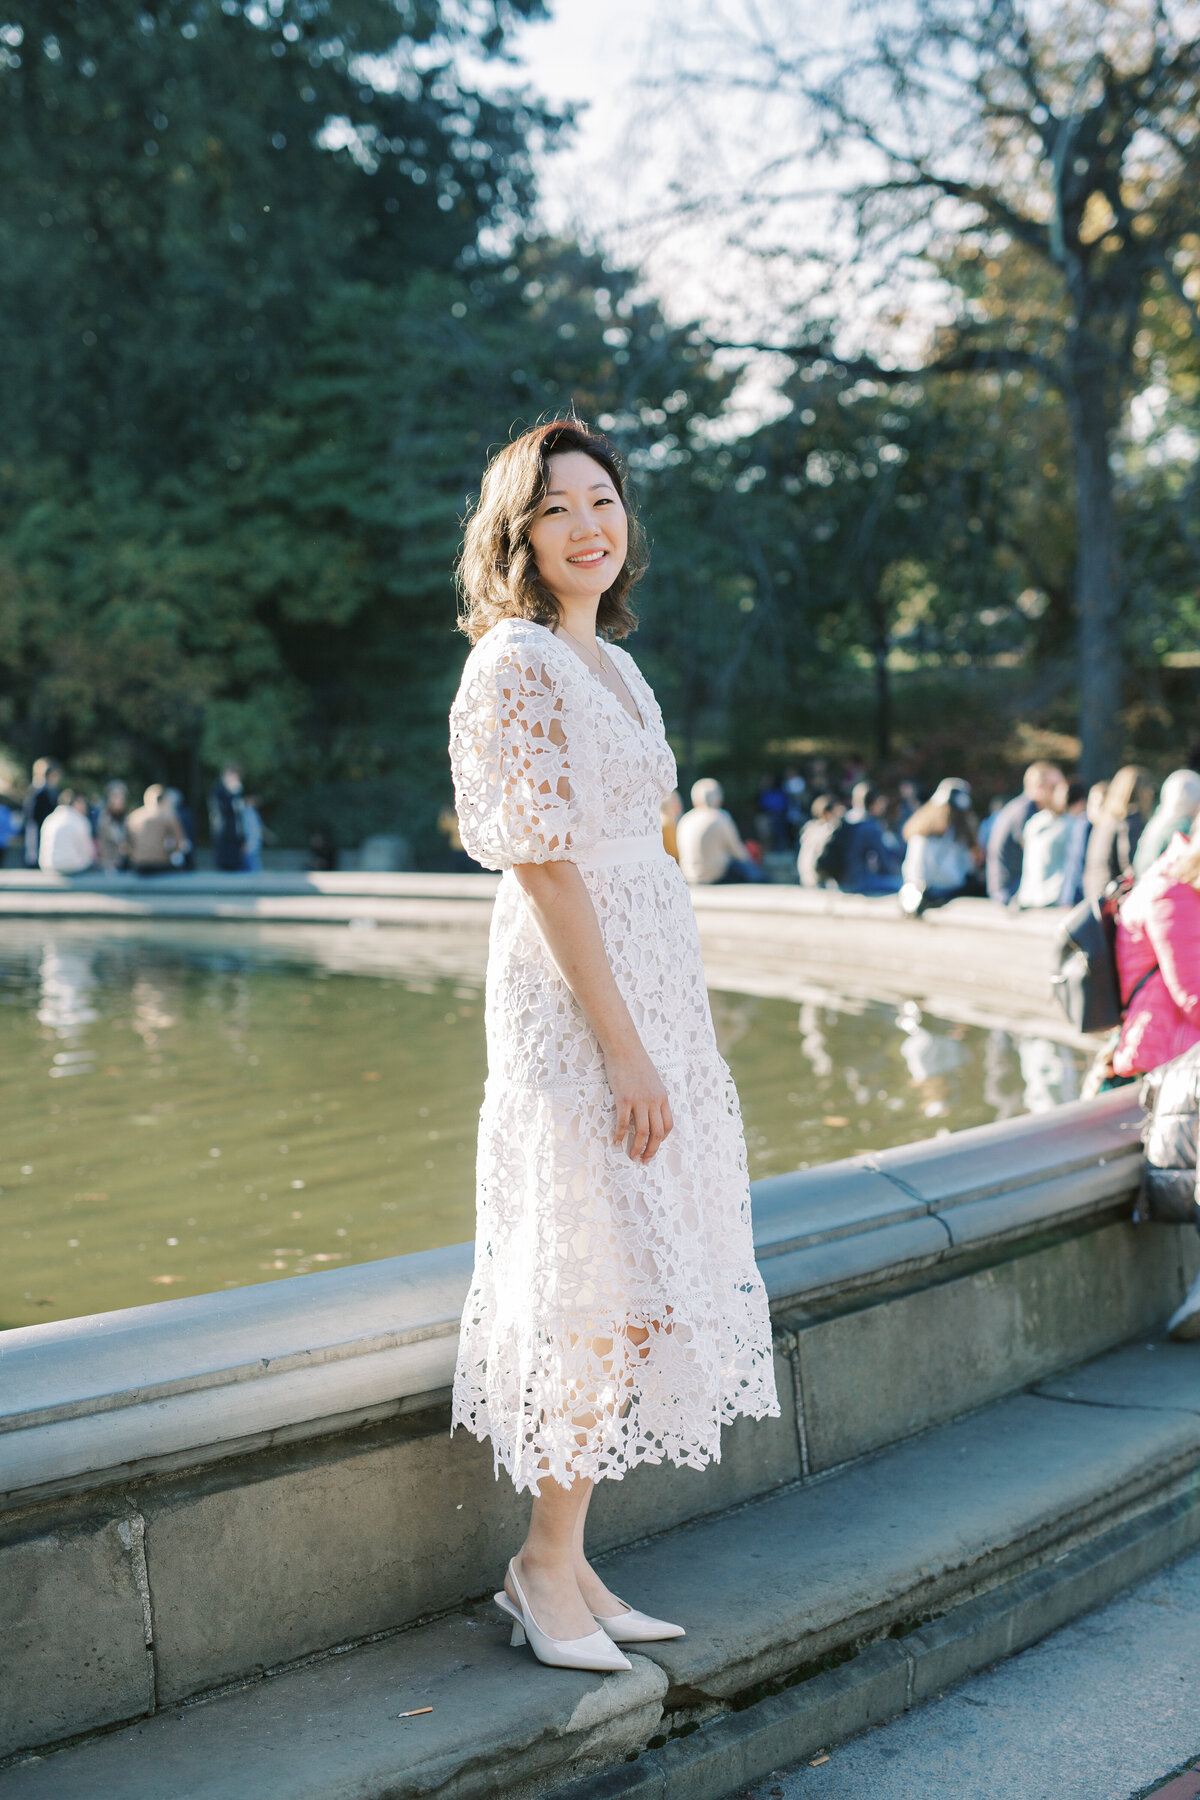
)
(157, 841)
(815, 836)
(711, 852)
(942, 851)
(66, 846)
(873, 854)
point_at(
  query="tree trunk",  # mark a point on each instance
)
(883, 701)
(880, 645)
(1097, 569)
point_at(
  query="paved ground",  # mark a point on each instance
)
(1106, 1709)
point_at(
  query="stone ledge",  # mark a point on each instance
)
(1004, 1525)
(970, 960)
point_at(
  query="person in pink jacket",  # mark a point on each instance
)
(1158, 947)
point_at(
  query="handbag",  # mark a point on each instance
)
(1085, 982)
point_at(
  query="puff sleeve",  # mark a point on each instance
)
(511, 757)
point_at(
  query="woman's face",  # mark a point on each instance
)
(580, 535)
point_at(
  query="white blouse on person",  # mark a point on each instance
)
(576, 1245)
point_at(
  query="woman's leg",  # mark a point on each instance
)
(560, 1585)
(598, 1599)
(545, 1563)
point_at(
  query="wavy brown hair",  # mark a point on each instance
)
(497, 573)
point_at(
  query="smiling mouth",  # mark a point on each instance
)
(588, 557)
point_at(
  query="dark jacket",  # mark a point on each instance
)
(1110, 852)
(1171, 1095)
(1005, 848)
(225, 824)
(873, 857)
(40, 802)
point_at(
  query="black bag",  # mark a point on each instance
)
(831, 859)
(1086, 984)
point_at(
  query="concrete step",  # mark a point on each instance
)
(810, 1614)
(1102, 1709)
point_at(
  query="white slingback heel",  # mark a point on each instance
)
(596, 1651)
(634, 1627)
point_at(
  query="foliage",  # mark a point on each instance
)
(270, 291)
(1060, 146)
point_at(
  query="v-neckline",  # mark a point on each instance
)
(639, 724)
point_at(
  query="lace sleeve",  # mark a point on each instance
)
(509, 755)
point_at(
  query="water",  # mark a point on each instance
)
(188, 1108)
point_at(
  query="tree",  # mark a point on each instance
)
(185, 180)
(1073, 143)
(293, 605)
(906, 519)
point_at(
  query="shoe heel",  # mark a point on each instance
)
(518, 1635)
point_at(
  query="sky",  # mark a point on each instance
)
(651, 153)
(593, 57)
(646, 148)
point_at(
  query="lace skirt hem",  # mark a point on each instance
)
(525, 1466)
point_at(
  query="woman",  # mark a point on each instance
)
(1158, 964)
(616, 1315)
(1115, 832)
(941, 854)
(1178, 804)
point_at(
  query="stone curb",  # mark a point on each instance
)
(886, 1678)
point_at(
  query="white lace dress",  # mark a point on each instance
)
(616, 1315)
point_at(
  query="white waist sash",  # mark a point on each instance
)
(611, 851)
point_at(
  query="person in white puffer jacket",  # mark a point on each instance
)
(66, 845)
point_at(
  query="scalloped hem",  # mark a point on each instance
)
(604, 1466)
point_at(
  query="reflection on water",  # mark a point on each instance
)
(831, 1078)
(247, 1103)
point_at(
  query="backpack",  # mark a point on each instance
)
(1085, 982)
(831, 858)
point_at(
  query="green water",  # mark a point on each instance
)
(192, 1108)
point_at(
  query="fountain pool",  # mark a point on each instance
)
(191, 1107)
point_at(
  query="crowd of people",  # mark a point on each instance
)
(1051, 845)
(63, 830)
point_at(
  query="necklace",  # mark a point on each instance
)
(601, 665)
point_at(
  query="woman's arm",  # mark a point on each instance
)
(566, 918)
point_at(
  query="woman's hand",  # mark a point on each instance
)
(566, 919)
(643, 1110)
